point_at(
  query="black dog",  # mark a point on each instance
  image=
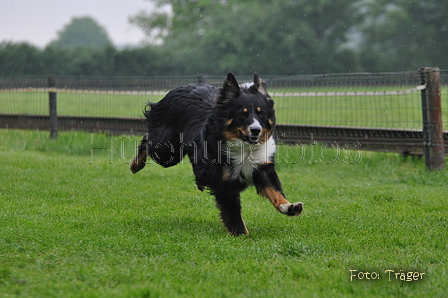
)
(227, 134)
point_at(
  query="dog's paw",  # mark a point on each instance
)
(291, 209)
(136, 165)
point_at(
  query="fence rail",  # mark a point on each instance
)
(371, 111)
(405, 142)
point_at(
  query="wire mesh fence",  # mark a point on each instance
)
(377, 100)
(113, 97)
(386, 100)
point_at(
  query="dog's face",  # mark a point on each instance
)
(249, 112)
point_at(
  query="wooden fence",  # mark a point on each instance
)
(429, 141)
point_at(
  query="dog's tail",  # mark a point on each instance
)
(139, 161)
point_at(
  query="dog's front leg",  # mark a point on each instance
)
(268, 185)
(228, 202)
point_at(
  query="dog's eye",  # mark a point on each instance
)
(244, 112)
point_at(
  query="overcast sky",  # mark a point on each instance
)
(38, 21)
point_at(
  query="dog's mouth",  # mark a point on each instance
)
(250, 139)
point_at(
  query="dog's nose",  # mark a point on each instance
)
(255, 131)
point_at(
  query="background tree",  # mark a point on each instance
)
(286, 37)
(82, 31)
(404, 35)
(19, 58)
(276, 37)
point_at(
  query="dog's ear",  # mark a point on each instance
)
(260, 85)
(231, 87)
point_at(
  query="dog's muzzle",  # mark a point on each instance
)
(253, 137)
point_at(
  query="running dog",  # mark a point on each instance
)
(227, 134)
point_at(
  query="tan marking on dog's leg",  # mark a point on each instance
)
(280, 202)
(246, 231)
(138, 162)
(274, 196)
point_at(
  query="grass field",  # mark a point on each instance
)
(400, 111)
(75, 223)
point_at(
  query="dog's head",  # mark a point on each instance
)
(248, 111)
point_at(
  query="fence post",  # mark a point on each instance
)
(53, 108)
(202, 79)
(432, 119)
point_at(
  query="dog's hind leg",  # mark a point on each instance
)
(139, 161)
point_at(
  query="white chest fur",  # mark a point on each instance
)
(244, 158)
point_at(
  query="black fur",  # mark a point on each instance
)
(227, 135)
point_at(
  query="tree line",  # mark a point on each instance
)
(273, 37)
(26, 59)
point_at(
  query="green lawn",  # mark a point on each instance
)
(75, 223)
(76, 104)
